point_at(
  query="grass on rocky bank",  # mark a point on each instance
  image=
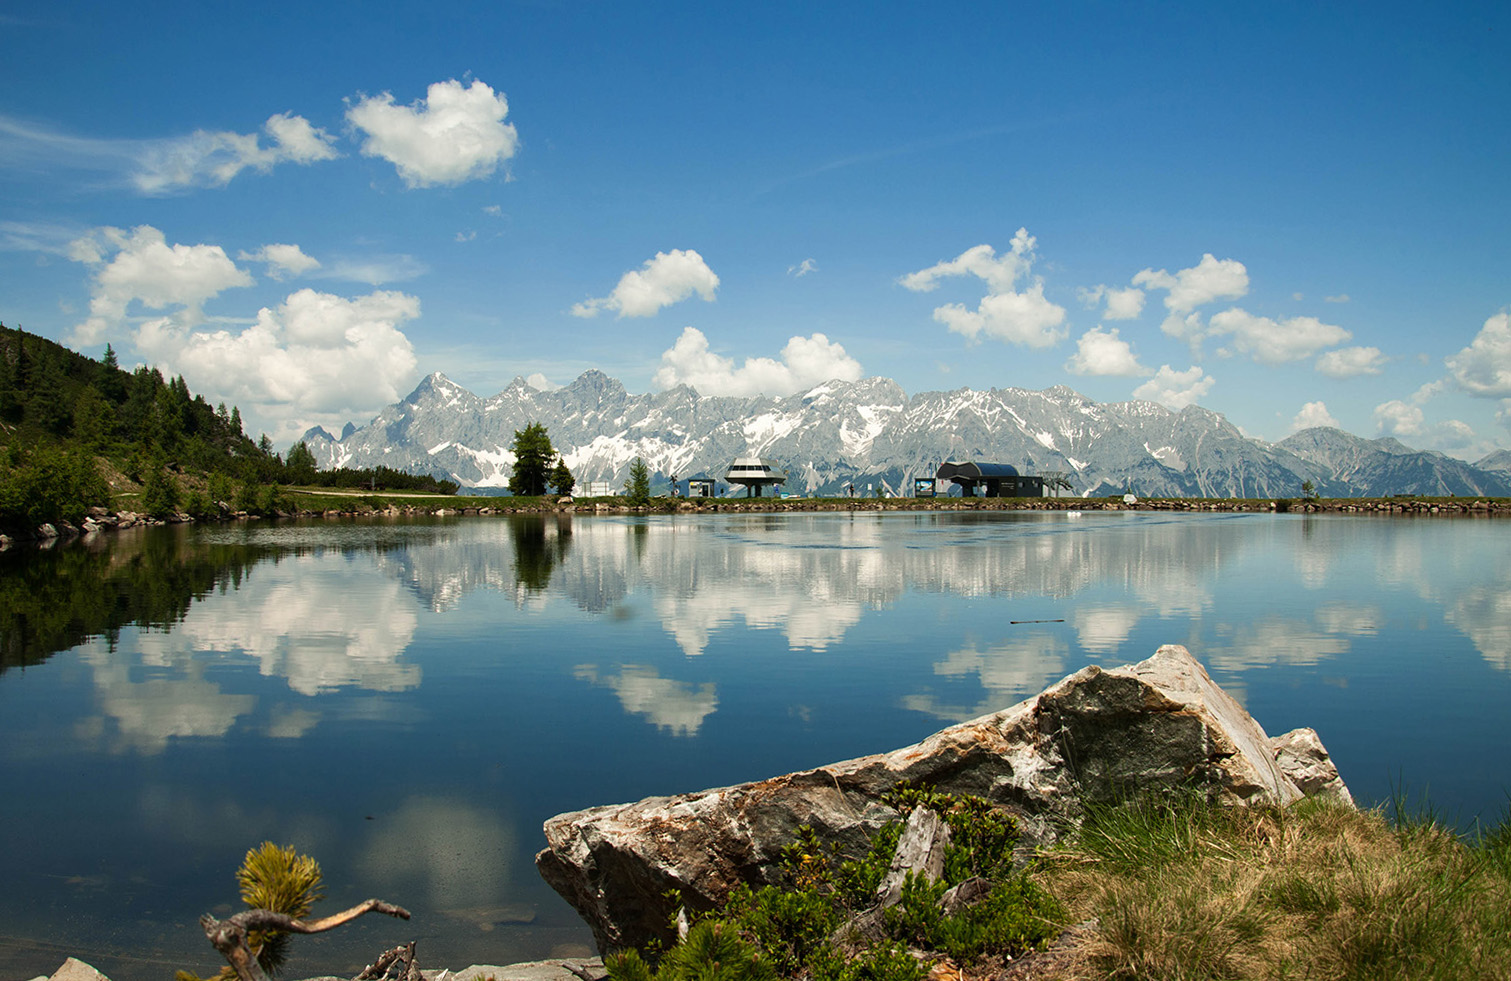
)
(1178, 889)
(1173, 889)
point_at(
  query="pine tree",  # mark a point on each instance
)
(561, 477)
(638, 487)
(300, 466)
(532, 460)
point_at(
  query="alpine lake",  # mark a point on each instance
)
(407, 701)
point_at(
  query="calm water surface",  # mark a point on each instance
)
(408, 702)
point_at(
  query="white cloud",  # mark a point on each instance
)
(1175, 389)
(1452, 436)
(214, 159)
(1349, 362)
(1397, 418)
(1340, 298)
(1122, 304)
(1208, 280)
(451, 136)
(316, 358)
(668, 278)
(1275, 341)
(805, 362)
(142, 267)
(803, 268)
(1100, 352)
(1313, 414)
(283, 261)
(1484, 367)
(1211, 279)
(1005, 313)
(540, 383)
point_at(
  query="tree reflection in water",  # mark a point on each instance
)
(541, 543)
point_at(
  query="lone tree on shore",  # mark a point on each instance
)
(638, 487)
(532, 460)
(561, 477)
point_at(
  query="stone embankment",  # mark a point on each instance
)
(101, 520)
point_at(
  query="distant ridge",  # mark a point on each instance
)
(870, 431)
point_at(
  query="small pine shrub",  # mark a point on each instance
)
(787, 929)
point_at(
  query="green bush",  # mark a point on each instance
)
(48, 485)
(788, 927)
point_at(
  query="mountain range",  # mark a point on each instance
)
(871, 432)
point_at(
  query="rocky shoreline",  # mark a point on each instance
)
(74, 969)
(101, 520)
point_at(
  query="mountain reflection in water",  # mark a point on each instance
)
(407, 701)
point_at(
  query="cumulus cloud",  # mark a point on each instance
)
(316, 355)
(1100, 352)
(1122, 304)
(213, 159)
(1175, 389)
(805, 362)
(1484, 367)
(803, 268)
(1005, 313)
(140, 266)
(1186, 289)
(282, 261)
(670, 277)
(451, 136)
(1349, 362)
(1312, 415)
(1398, 418)
(540, 383)
(1274, 341)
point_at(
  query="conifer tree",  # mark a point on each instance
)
(638, 487)
(532, 460)
(561, 477)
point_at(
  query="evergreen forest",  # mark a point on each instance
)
(75, 433)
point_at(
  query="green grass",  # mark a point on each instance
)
(1179, 889)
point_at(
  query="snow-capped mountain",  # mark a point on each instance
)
(871, 431)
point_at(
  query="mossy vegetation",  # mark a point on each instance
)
(798, 928)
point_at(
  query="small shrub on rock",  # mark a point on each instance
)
(806, 927)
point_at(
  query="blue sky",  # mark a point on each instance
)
(1289, 213)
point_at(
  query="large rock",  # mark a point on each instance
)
(1093, 737)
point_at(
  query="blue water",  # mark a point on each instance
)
(408, 702)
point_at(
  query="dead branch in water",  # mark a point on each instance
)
(229, 936)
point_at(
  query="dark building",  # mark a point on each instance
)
(990, 480)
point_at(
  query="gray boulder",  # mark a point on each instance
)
(1095, 736)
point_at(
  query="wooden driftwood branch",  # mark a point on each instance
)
(383, 967)
(229, 936)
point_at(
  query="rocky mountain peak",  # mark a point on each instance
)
(870, 430)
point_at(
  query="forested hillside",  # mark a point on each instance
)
(75, 431)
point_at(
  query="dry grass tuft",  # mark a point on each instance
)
(1179, 889)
